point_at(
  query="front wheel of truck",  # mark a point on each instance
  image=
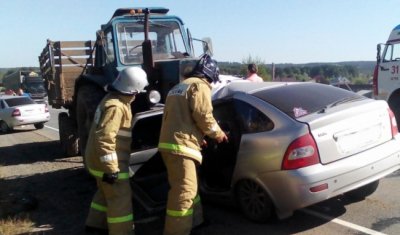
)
(68, 135)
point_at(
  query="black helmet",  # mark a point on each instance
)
(208, 67)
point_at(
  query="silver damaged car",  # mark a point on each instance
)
(291, 145)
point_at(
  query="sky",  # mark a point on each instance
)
(271, 31)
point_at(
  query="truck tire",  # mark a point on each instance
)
(88, 97)
(68, 136)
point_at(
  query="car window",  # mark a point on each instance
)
(146, 132)
(302, 99)
(19, 101)
(251, 119)
(1, 104)
(224, 113)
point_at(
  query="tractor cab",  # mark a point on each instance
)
(149, 38)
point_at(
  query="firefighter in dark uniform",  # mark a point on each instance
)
(187, 119)
(107, 155)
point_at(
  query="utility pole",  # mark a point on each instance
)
(273, 72)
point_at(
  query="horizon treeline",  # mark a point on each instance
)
(356, 72)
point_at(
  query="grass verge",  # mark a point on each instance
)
(16, 225)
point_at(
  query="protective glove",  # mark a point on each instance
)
(110, 177)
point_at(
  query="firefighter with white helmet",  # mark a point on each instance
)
(107, 154)
(187, 119)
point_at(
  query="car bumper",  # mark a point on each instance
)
(19, 121)
(40, 101)
(291, 190)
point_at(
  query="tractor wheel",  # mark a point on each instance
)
(89, 96)
(68, 136)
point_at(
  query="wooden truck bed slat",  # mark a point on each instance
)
(61, 63)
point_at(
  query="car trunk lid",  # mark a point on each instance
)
(342, 131)
(32, 109)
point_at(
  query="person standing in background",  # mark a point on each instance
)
(252, 76)
(22, 93)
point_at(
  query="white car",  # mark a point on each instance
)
(21, 110)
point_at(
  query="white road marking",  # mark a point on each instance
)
(343, 223)
(52, 128)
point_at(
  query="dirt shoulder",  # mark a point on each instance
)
(53, 191)
(38, 182)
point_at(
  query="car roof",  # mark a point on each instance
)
(5, 97)
(246, 87)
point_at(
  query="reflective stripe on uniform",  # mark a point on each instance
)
(121, 219)
(180, 148)
(183, 213)
(121, 175)
(196, 199)
(109, 157)
(124, 133)
(98, 207)
(180, 213)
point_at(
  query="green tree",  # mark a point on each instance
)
(360, 80)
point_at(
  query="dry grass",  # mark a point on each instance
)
(13, 225)
(16, 225)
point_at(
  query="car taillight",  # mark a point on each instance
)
(393, 123)
(15, 113)
(375, 80)
(301, 152)
(46, 108)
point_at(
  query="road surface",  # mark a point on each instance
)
(378, 214)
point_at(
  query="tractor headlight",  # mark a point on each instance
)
(154, 97)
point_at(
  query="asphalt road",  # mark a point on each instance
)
(378, 214)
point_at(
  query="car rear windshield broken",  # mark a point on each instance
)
(298, 100)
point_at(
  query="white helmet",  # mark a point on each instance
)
(130, 81)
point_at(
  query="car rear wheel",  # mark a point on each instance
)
(68, 135)
(254, 202)
(4, 128)
(39, 125)
(364, 191)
